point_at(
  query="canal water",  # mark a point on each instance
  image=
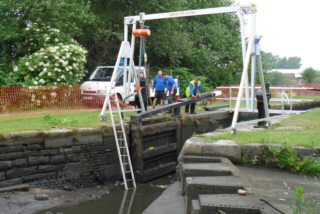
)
(118, 201)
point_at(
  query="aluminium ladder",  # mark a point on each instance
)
(122, 145)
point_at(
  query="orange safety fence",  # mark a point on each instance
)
(33, 98)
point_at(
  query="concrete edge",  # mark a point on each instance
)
(234, 151)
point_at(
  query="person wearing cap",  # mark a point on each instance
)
(193, 90)
(158, 85)
(170, 87)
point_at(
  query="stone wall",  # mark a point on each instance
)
(87, 156)
(56, 158)
(259, 152)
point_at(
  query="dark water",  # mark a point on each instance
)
(117, 201)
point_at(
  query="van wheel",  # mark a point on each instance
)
(120, 99)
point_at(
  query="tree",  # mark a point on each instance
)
(205, 45)
(294, 62)
(269, 61)
(289, 63)
(278, 78)
(60, 60)
(309, 75)
(72, 19)
(317, 79)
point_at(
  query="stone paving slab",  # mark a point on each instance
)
(210, 185)
(232, 204)
(219, 148)
(277, 186)
(205, 169)
(203, 159)
(169, 202)
(208, 169)
(195, 207)
(214, 185)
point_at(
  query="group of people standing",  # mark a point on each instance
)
(164, 83)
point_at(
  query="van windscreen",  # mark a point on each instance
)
(102, 74)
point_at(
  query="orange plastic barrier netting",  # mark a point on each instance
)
(32, 98)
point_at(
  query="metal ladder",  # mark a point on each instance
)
(121, 142)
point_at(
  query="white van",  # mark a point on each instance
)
(95, 88)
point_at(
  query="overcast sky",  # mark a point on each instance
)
(289, 28)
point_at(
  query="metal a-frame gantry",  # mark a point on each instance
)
(126, 54)
(251, 51)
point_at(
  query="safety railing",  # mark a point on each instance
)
(284, 94)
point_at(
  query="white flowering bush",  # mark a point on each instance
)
(60, 60)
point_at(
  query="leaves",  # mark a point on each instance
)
(278, 78)
(309, 75)
(60, 59)
(206, 45)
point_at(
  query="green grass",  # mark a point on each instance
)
(45, 121)
(312, 97)
(39, 122)
(59, 118)
(48, 121)
(308, 136)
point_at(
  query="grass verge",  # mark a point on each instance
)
(307, 135)
(48, 121)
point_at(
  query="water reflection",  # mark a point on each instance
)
(117, 201)
(126, 203)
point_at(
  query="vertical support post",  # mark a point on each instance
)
(132, 70)
(127, 76)
(230, 97)
(126, 80)
(243, 43)
(108, 90)
(253, 63)
(263, 88)
(140, 52)
(282, 100)
(290, 100)
(125, 37)
(243, 77)
(131, 62)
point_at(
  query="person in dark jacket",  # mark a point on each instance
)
(143, 90)
(158, 86)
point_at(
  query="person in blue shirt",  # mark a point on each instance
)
(158, 86)
(170, 87)
(193, 90)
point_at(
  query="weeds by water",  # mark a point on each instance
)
(301, 205)
(287, 158)
(284, 157)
